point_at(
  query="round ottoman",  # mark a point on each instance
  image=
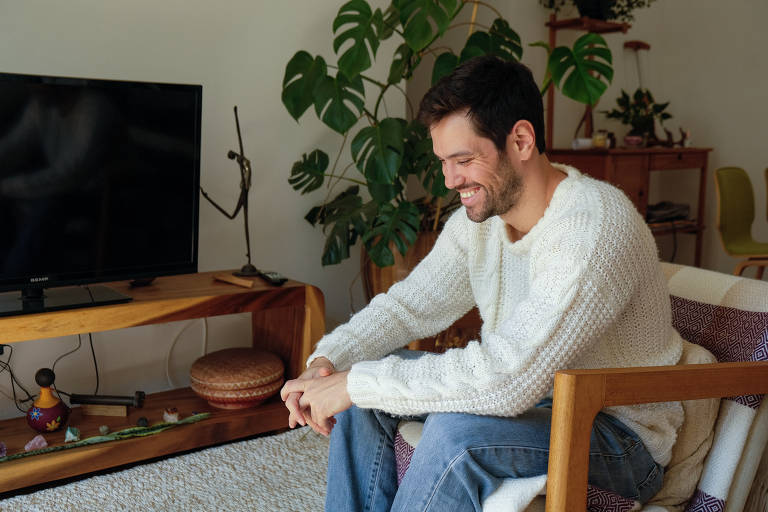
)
(235, 378)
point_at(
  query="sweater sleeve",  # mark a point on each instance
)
(434, 295)
(582, 274)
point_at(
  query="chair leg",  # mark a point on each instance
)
(760, 272)
(740, 267)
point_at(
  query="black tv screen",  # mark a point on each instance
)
(99, 180)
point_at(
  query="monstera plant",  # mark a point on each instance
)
(370, 204)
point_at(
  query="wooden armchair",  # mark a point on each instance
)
(580, 394)
(727, 315)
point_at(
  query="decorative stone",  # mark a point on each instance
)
(142, 422)
(171, 415)
(3, 449)
(37, 443)
(73, 434)
(103, 430)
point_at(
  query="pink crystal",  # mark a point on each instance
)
(37, 443)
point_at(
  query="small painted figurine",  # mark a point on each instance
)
(47, 413)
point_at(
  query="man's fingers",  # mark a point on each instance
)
(292, 386)
(324, 371)
(296, 414)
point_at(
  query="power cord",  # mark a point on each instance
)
(173, 344)
(6, 366)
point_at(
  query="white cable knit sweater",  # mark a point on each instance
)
(582, 289)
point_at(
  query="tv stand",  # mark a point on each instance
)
(286, 320)
(41, 300)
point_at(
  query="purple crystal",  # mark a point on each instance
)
(3, 451)
(37, 443)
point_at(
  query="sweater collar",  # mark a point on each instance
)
(558, 198)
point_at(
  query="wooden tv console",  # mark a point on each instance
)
(287, 320)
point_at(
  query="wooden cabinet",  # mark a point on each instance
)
(630, 169)
(287, 320)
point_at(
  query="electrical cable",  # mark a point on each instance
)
(79, 344)
(6, 365)
(95, 364)
(173, 344)
(93, 353)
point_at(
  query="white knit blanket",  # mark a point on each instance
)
(285, 472)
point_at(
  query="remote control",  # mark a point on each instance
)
(273, 278)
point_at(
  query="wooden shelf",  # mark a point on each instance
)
(589, 25)
(286, 320)
(675, 226)
(223, 425)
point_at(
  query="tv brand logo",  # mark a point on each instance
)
(38, 279)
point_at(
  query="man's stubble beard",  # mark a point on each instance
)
(498, 202)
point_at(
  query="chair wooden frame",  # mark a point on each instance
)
(580, 394)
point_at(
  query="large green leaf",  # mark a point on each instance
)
(359, 24)
(590, 53)
(420, 160)
(378, 150)
(339, 101)
(444, 64)
(308, 174)
(344, 216)
(403, 64)
(302, 75)
(389, 21)
(500, 40)
(417, 17)
(398, 225)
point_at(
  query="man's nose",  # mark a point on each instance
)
(453, 178)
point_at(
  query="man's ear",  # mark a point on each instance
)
(521, 140)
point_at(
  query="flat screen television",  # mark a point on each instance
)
(99, 181)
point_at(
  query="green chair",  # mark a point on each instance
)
(736, 213)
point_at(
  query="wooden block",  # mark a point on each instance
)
(104, 410)
(233, 279)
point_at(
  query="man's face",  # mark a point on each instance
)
(486, 179)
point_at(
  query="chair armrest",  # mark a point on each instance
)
(580, 394)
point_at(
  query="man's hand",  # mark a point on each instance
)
(323, 397)
(320, 367)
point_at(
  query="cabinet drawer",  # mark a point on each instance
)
(678, 160)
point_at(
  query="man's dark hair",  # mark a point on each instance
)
(496, 94)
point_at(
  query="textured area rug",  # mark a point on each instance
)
(284, 472)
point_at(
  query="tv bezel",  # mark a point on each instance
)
(43, 281)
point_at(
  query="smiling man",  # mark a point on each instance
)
(565, 274)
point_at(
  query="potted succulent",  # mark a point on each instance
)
(640, 112)
(370, 203)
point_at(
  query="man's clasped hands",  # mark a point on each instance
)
(316, 395)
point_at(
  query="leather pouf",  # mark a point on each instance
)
(235, 378)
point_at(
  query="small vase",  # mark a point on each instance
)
(48, 413)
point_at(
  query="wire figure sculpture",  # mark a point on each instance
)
(248, 270)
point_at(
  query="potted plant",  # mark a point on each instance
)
(607, 10)
(372, 206)
(640, 112)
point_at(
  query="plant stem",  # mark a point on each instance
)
(342, 177)
(489, 6)
(463, 23)
(378, 101)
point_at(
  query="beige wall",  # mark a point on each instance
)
(237, 49)
(706, 58)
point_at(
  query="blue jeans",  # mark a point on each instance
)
(463, 458)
